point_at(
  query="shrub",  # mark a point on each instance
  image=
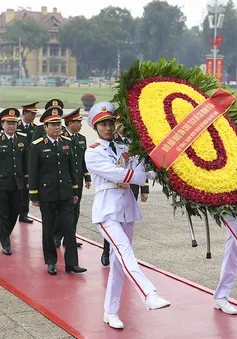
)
(88, 97)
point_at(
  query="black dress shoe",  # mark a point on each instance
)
(57, 243)
(75, 269)
(52, 269)
(104, 259)
(24, 218)
(7, 250)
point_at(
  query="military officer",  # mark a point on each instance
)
(26, 125)
(53, 187)
(144, 189)
(13, 172)
(73, 123)
(115, 210)
(39, 130)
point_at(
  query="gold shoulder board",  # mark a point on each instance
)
(35, 142)
(63, 136)
(22, 134)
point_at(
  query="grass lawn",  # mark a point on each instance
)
(71, 97)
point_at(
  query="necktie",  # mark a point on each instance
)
(111, 144)
(11, 141)
(55, 143)
(26, 127)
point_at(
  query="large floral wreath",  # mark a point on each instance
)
(152, 99)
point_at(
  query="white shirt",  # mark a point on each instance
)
(106, 167)
(51, 139)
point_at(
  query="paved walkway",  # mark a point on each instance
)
(160, 239)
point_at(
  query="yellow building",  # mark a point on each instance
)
(53, 60)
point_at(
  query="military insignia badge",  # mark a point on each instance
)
(20, 144)
(12, 112)
(103, 109)
(65, 147)
(55, 103)
(54, 111)
(46, 141)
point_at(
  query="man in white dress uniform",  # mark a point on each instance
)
(228, 269)
(115, 210)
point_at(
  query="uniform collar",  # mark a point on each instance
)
(70, 133)
(24, 123)
(51, 139)
(9, 136)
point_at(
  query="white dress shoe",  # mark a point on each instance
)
(224, 305)
(113, 320)
(154, 301)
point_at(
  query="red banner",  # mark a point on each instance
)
(219, 69)
(189, 129)
(209, 66)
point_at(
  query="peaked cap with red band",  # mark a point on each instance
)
(52, 114)
(9, 114)
(101, 111)
(73, 116)
(56, 103)
(31, 107)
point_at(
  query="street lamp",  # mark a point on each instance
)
(217, 8)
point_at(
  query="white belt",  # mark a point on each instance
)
(109, 185)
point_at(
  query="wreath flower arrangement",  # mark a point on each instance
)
(152, 99)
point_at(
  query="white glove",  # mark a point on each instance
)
(151, 175)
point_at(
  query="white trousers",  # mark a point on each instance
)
(122, 261)
(229, 264)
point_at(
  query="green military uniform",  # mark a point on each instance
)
(28, 129)
(53, 182)
(38, 132)
(78, 143)
(13, 173)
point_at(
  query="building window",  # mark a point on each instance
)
(63, 51)
(44, 67)
(53, 68)
(45, 51)
(54, 50)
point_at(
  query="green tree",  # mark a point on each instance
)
(123, 34)
(191, 51)
(161, 30)
(31, 36)
(77, 35)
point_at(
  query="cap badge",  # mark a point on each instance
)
(103, 109)
(54, 103)
(12, 112)
(54, 111)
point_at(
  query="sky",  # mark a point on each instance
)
(194, 10)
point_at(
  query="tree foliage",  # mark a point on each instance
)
(31, 35)
(161, 30)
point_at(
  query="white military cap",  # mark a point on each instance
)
(101, 111)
